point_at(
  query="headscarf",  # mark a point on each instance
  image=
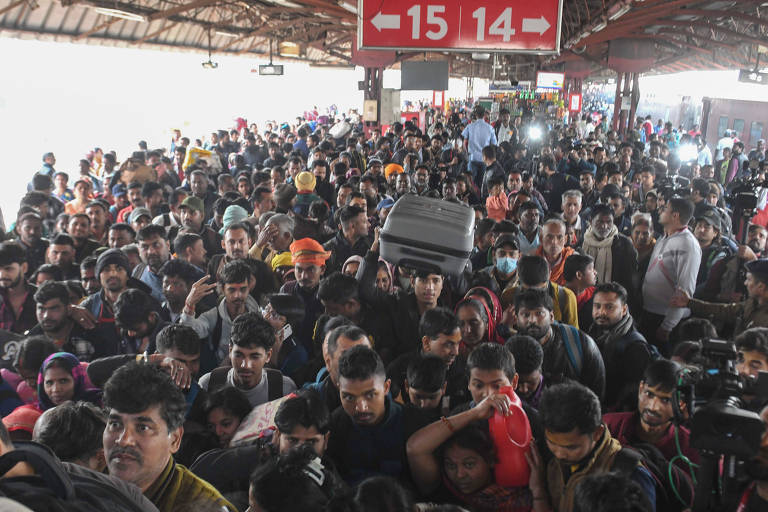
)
(353, 258)
(72, 365)
(310, 251)
(491, 302)
(490, 329)
(391, 272)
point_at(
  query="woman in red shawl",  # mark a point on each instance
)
(476, 323)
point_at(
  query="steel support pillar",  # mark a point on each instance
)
(372, 91)
(617, 102)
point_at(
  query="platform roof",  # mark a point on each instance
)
(686, 34)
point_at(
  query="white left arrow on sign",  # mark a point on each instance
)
(384, 21)
(536, 25)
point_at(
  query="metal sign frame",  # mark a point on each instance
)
(361, 21)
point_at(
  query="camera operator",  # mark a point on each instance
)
(699, 193)
(726, 277)
(707, 226)
(752, 345)
(752, 312)
(754, 498)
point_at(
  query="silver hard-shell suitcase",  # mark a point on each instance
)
(428, 234)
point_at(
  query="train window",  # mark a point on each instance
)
(738, 127)
(722, 125)
(755, 132)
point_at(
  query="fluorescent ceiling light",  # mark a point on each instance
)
(289, 49)
(285, 3)
(621, 12)
(225, 34)
(600, 26)
(119, 13)
(347, 6)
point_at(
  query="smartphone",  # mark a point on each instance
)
(285, 332)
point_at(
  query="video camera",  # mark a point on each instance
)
(743, 198)
(670, 186)
(714, 391)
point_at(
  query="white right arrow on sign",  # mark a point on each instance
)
(384, 21)
(537, 25)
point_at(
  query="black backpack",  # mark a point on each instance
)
(52, 489)
(628, 458)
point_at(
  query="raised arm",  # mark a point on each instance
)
(422, 445)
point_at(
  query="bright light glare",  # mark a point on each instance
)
(534, 133)
(687, 152)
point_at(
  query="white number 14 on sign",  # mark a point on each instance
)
(501, 27)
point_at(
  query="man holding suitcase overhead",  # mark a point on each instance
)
(403, 308)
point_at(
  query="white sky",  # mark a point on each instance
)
(69, 98)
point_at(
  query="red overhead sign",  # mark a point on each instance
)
(515, 26)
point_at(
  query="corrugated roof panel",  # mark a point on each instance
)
(34, 18)
(171, 35)
(71, 20)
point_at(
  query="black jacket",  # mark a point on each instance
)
(341, 250)
(626, 357)
(400, 308)
(624, 262)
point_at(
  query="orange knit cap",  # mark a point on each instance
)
(310, 251)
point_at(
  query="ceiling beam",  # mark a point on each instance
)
(714, 13)
(330, 8)
(11, 6)
(705, 39)
(734, 34)
(194, 4)
(251, 47)
(154, 34)
(97, 28)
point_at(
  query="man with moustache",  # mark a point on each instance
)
(569, 354)
(308, 258)
(144, 429)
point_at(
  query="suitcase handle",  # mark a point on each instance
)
(420, 265)
(436, 253)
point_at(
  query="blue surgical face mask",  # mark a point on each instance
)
(506, 265)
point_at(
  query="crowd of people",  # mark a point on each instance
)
(211, 326)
